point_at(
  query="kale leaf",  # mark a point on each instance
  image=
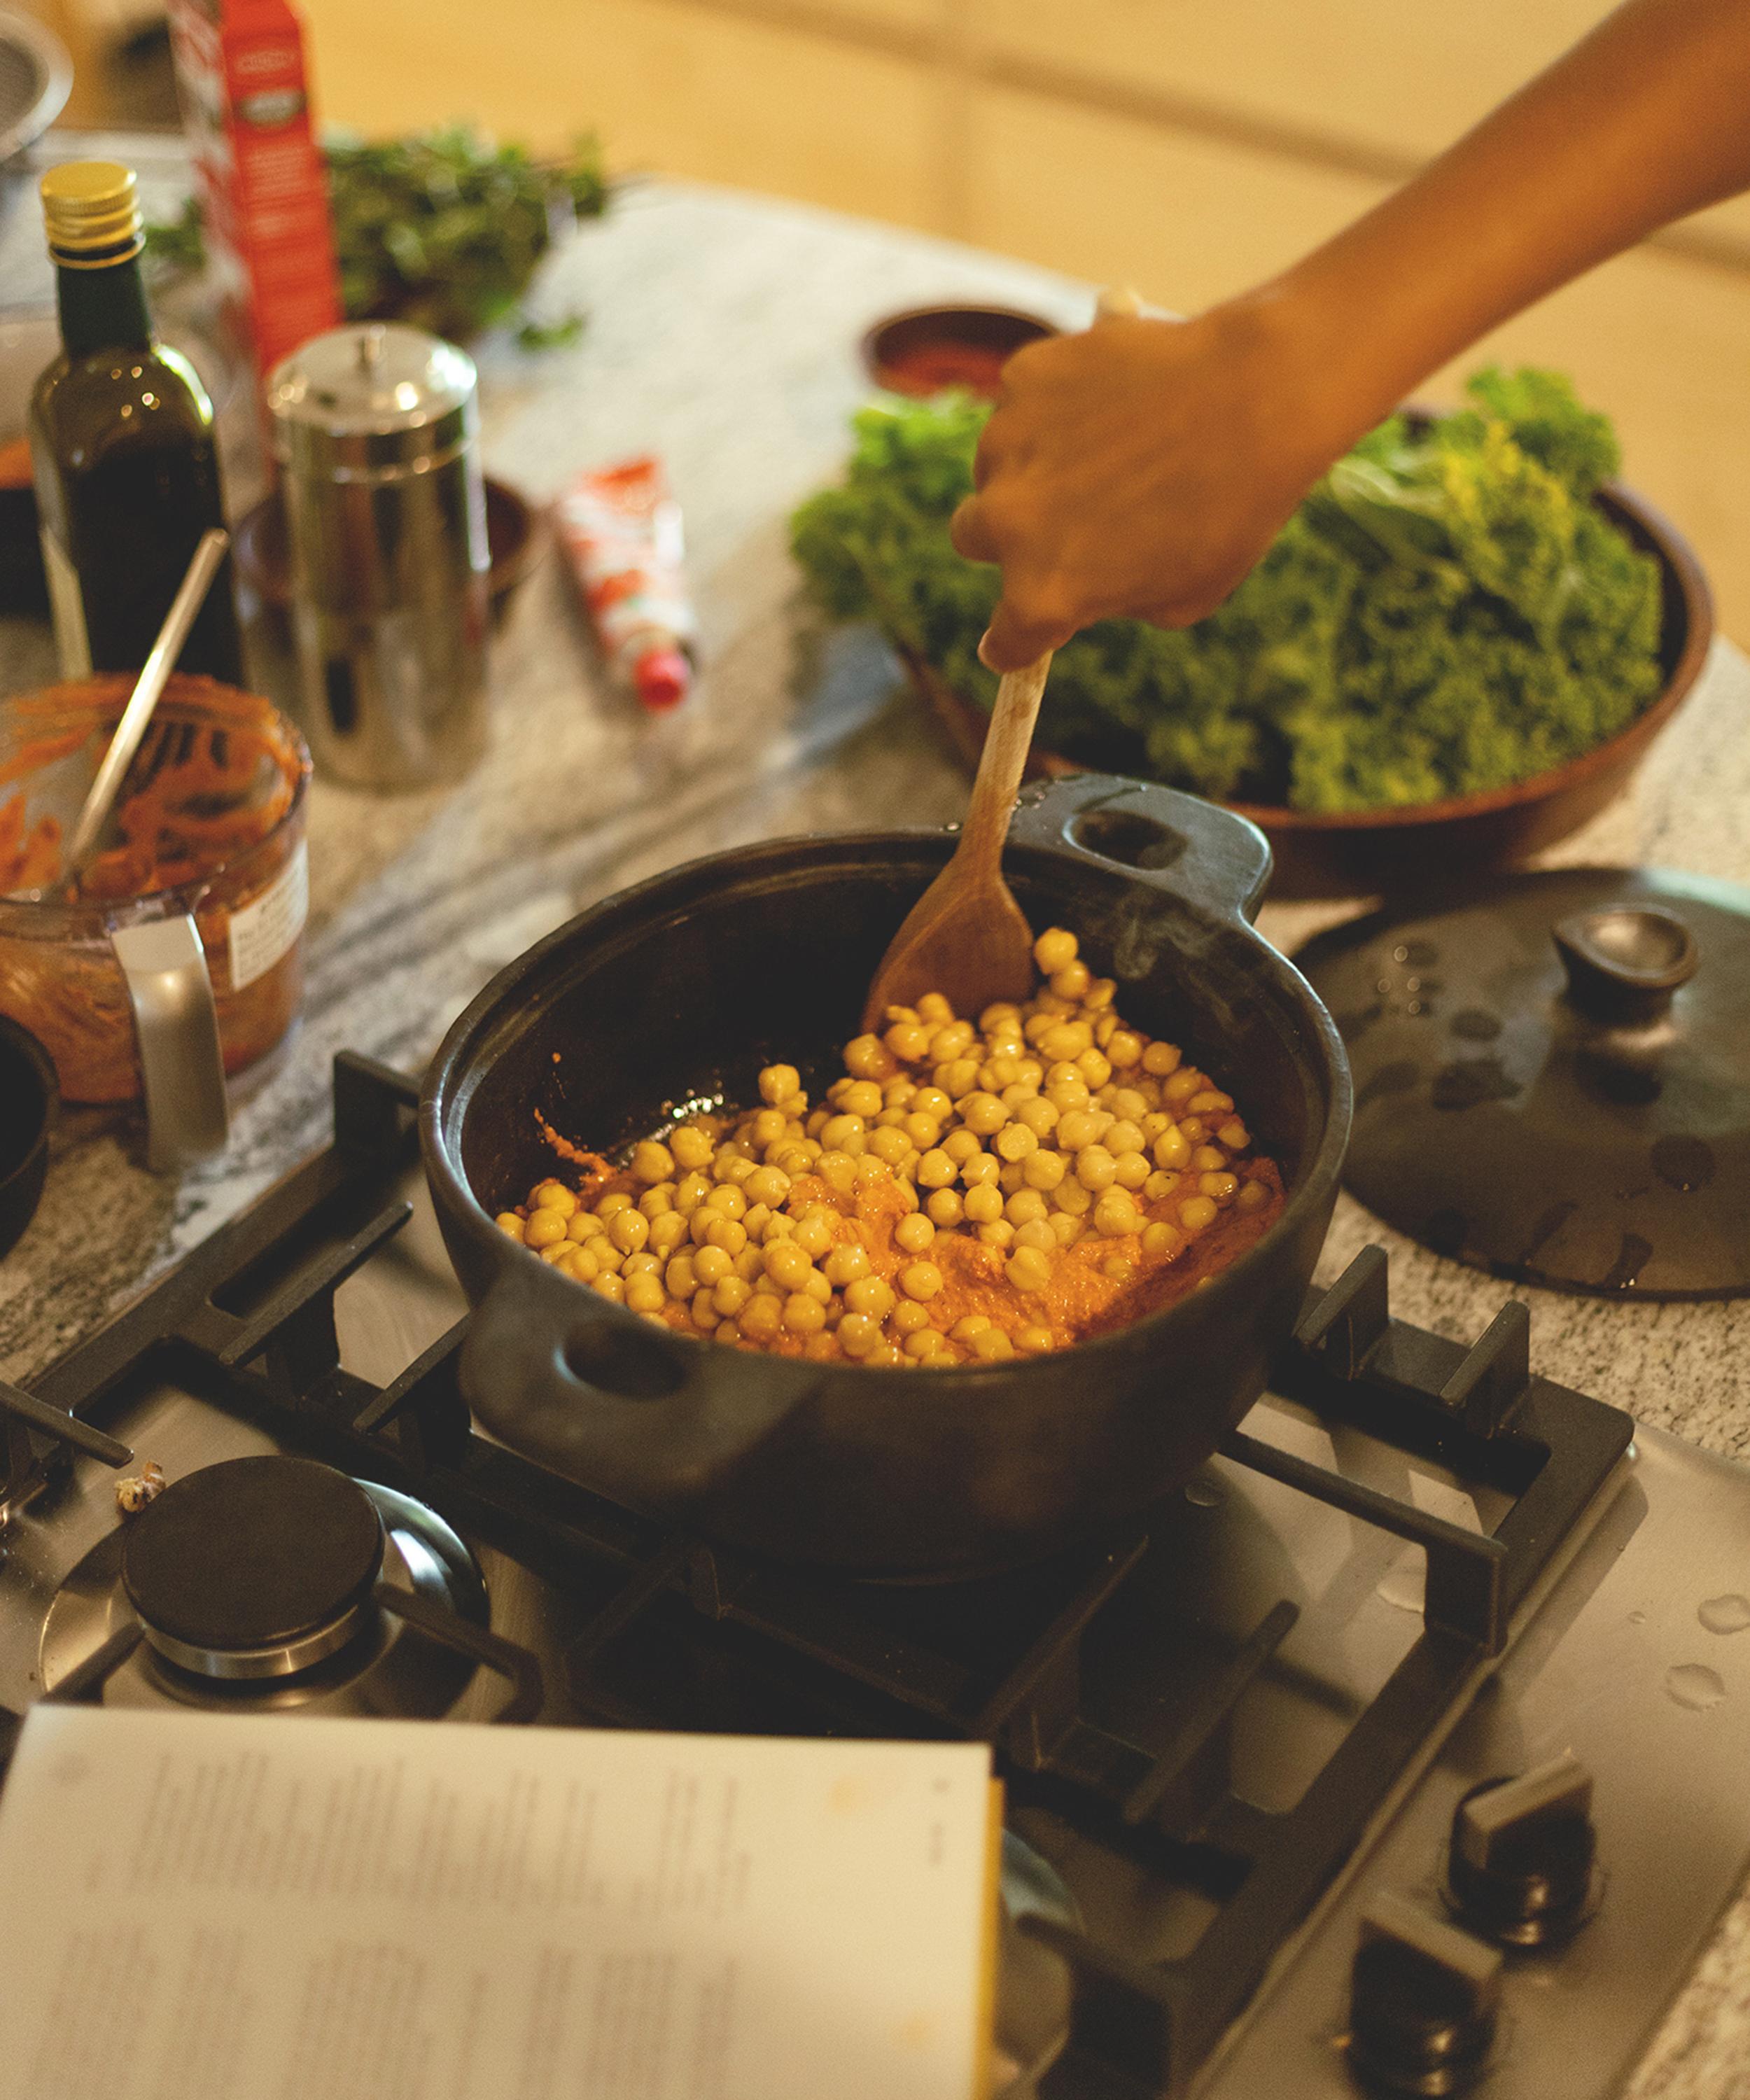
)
(1447, 612)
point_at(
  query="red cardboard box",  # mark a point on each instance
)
(239, 71)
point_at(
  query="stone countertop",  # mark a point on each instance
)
(721, 333)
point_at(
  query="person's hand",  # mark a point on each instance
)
(1140, 469)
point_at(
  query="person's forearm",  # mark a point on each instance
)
(1648, 118)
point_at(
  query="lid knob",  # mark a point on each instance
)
(1625, 962)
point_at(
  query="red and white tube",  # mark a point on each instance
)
(621, 528)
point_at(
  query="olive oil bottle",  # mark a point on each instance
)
(122, 450)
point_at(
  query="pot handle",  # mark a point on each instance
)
(176, 1024)
(611, 1400)
(1173, 841)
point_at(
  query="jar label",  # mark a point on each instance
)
(263, 930)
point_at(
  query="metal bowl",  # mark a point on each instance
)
(36, 78)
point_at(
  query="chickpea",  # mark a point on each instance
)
(1094, 1068)
(920, 1281)
(1071, 980)
(1080, 1128)
(509, 1224)
(1065, 1229)
(945, 1208)
(1044, 1170)
(628, 1231)
(910, 1041)
(1016, 1141)
(913, 1235)
(761, 1317)
(730, 1295)
(1210, 1101)
(863, 1097)
(935, 1169)
(923, 1131)
(846, 1264)
(1035, 1232)
(554, 1196)
(1193, 1129)
(581, 1263)
(1115, 1214)
(1196, 1213)
(1222, 1188)
(982, 1171)
(872, 1296)
(813, 1234)
(1123, 1048)
(857, 1334)
(1033, 1339)
(681, 1277)
(1055, 949)
(1161, 1239)
(1233, 1134)
(608, 1285)
(983, 1114)
(1024, 1205)
(558, 1251)
(1073, 1197)
(984, 1204)
(961, 1145)
(645, 1293)
(1132, 1170)
(890, 1146)
(993, 1347)
(710, 1264)
(924, 1346)
(1067, 1041)
(690, 1147)
(1253, 1196)
(1095, 1167)
(1118, 1270)
(1158, 1185)
(804, 1314)
(1029, 1268)
(868, 1057)
(778, 1083)
(838, 1170)
(1172, 1150)
(584, 1225)
(958, 1076)
(545, 1226)
(1160, 1060)
(1036, 1115)
(933, 1007)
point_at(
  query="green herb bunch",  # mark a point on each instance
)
(442, 229)
(1447, 612)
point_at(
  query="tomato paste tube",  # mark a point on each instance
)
(622, 530)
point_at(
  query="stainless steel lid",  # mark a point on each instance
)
(374, 401)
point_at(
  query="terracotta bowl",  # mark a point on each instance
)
(1366, 853)
(951, 346)
(512, 539)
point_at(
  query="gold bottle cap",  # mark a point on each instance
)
(91, 211)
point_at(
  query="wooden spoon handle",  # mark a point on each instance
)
(1001, 763)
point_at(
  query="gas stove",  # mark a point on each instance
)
(1380, 1759)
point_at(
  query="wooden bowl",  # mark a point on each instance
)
(1365, 853)
(512, 543)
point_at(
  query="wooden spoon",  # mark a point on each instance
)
(966, 937)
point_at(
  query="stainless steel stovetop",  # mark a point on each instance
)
(1625, 1656)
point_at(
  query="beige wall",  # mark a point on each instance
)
(1185, 146)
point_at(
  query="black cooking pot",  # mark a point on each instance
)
(677, 992)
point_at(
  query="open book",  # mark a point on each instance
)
(199, 1907)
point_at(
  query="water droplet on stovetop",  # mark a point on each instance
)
(1406, 1584)
(1730, 1614)
(1203, 1493)
(1694, 1685)
(1638, 1618)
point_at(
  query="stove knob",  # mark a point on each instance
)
(1519, 1866)
(1423, 2001)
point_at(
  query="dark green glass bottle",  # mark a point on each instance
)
(122, 450)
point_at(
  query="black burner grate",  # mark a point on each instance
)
(684, 1635)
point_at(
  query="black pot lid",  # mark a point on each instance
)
(1552, 1076)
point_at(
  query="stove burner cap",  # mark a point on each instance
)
(256, 1568)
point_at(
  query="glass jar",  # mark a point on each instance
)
(210, 827)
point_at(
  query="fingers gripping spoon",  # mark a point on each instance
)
(966, 937)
